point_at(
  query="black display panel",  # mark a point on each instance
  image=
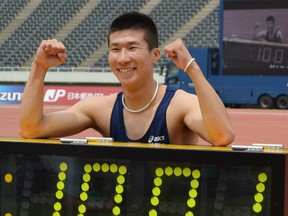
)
(246, 57)
(48, 179)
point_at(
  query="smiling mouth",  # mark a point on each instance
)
(125, 70)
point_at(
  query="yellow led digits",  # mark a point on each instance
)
(152, 212)
(260, 188)
(96, 167)
(154, 201)
(118, 198)
(159, 172)
(61, 176)
(177, 172)
(85, 186)
(113, 168)
(193, 193)
(191, 203)
(59, 194)
(258, 197)
(194, 183)
(157, 181)
(262, 177)
(186, 172)
(119, 189)
(82, 208)
(63, 167)
(8, 178)
(189, 213)
(168, 171)
(196, 174)
(86, 177)
(57, 206)
(122, 170)
(116, 210)
(60, 185)
(87, 168)
(257, 207)
(104, 168)
(156, 191)
(120, 179)
(83, 196)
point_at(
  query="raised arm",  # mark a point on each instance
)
(213, 123)
(32, 122)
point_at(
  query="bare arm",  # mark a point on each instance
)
(213, 123)
(260, 35)
(33, 123)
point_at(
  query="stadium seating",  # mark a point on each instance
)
(9, 10)
(206, 34)
(87, 36)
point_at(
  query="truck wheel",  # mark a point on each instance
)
(266, 102)
(282, 102)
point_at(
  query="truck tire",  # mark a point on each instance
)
(265, 101)
(282, 102)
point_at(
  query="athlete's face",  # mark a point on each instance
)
(270, 25)
(129, 56)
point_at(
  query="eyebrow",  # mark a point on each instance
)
(128, 43)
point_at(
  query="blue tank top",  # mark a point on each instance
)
(274, 38)
(156, 133)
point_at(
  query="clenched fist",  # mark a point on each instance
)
(50, 53)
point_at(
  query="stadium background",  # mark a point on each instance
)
(82, 26)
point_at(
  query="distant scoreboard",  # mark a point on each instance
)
(246, 57)
(44, 177)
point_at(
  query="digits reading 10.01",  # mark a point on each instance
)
(160, 175)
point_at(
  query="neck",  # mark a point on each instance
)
(145, 106)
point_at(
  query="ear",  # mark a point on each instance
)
(155, 55)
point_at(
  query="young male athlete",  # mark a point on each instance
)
(146, 111)
(270, 34)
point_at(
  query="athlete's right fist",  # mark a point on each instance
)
(50, 53)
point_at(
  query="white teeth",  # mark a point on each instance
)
(125, 70)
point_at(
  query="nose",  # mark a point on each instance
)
(123, 56)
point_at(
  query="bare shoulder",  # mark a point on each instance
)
(185, 99)
(182, 104)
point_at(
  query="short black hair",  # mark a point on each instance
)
(270, 18)
(136, 21)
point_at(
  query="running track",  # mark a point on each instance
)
(251, 125)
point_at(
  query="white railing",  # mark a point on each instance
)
(67, 75)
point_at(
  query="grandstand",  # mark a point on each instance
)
(82, 26)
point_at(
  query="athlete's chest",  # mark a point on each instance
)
(136, 125)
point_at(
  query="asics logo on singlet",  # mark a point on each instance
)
(156, 139)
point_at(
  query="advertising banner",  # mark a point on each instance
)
(57, 95)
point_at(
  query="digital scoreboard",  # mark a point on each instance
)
(47, 178)
(247, 57)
